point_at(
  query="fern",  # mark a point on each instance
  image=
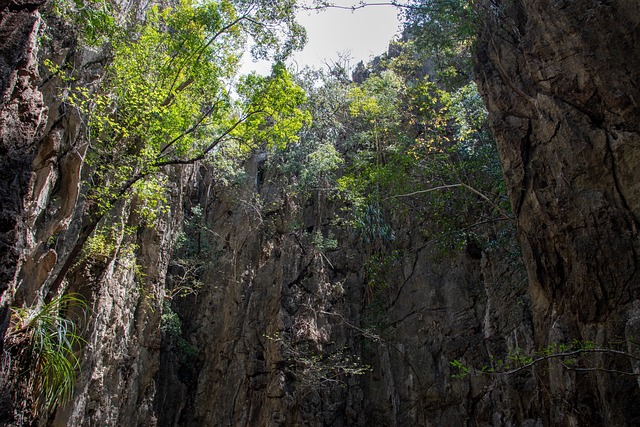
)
(43, 343)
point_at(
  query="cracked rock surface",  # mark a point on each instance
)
(561, 86)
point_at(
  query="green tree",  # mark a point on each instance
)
(420, 146)
(170, 96)
(441, 25)
(310, 163)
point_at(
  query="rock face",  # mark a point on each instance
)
(23, 116)
(560, 80)
(272, 336)
(264, 320)
(42, 152)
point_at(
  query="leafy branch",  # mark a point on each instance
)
(568, 355)
(573, 353)
(164, 101)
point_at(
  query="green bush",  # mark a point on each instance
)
(43, 344)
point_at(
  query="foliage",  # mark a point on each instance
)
(170, 96)
(170, 322)
(322, 244)
(272, 27)
(311, 163)
(422, 149)
(100, 245)
(574, 356)
(110, 239)
(316, 369)
(373, 227)
(461, 370)
(95, 20)
(378, 266)
(43, 344)
(165, 101)
(442, 24)
(273, 116)
(320, 163)
(171, 328)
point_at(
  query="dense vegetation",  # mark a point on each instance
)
(406, 136)
(403, 142)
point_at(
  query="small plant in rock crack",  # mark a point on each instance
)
(377, 267)
(316, 368)
(460, 370)
(41, 349)
(171, 327)
(322, 243)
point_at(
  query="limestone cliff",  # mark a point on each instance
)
(42, 203)
(278, 316)
(560, 80)
(264, 312)
(23, 116)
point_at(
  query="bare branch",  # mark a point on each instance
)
(575, 353)
(359, 5)
(450, 186)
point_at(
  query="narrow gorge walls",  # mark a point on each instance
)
(253, 300)
(282, 330)
(560, 80)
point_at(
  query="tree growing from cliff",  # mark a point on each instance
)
(170, 96)
(423, 147)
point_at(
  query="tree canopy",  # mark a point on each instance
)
(170, 94)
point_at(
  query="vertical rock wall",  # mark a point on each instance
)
(270, 297)
(42, 155)
(560, 80)
(23, 116)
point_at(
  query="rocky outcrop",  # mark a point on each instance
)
(43, 168)
(125, 293)
(23, 116)
(560, 80)
(265, 337)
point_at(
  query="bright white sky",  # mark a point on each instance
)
(363, 33)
